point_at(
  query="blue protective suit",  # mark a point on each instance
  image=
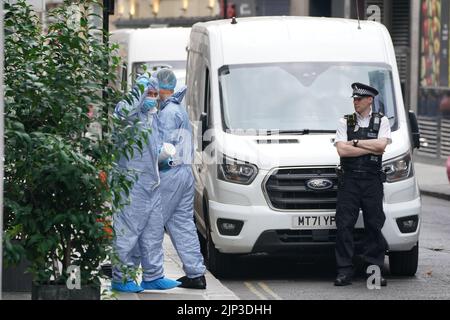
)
(177, 185)
(140, 223)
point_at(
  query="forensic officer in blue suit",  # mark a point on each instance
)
(361, 139)
(140, 222)
(177, 181)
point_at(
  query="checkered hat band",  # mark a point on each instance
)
(362, 92)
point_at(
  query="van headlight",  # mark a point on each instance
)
(399, 168)
(236, 171)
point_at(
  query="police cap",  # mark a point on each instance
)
(363, 90)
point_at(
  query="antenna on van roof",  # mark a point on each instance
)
(357, 14)
(233, 20)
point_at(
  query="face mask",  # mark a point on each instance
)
(149, 104)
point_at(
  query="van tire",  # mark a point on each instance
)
(218, 263)
(404, 263)
(201, 238)
(202, 242)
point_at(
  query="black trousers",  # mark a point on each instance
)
(354, 193)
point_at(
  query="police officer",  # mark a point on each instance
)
(361, 139)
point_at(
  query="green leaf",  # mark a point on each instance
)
(52, 187)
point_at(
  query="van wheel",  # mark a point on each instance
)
(202, 241)
(220, 264)
(404, 263)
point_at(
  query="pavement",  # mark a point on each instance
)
(432, 179)
(215, 290)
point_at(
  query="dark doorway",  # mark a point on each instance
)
(320, 8)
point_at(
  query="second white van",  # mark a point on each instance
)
(153, 48)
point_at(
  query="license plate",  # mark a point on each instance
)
(314, 222)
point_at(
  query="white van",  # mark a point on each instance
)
(265, 94)
(154, 47)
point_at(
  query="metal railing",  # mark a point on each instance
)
(435, 134)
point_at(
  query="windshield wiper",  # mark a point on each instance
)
(303, 132)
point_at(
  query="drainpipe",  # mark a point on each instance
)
(414, 54)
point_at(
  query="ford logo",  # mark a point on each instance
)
(319, 184)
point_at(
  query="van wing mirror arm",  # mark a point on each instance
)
(414, 129)
(204, 124)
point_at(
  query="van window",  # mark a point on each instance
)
(196, 80)
(298, 96)
(124, 78)
(138, 67)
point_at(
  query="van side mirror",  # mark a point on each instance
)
(204, 123)
(414, 129)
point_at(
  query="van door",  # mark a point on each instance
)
(203, 126)
(195, 80)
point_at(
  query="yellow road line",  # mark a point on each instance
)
(255, 291)
(266, 288)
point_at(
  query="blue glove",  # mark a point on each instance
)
(143, 80)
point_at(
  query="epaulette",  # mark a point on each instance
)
(378, 114)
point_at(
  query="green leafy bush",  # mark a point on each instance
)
(61, 183)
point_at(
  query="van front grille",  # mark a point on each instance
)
(297, 189)
(307, 236)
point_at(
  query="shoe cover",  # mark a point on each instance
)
(129, 286)
(160, 284)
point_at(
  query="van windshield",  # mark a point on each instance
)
(298, 97)
(139, 67)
